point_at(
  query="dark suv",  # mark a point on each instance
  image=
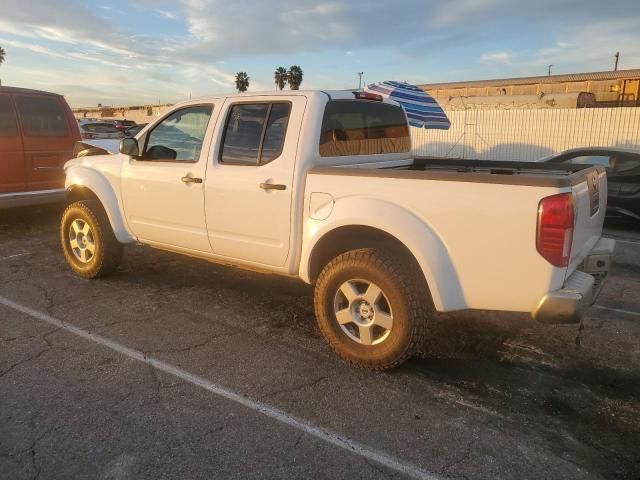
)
(623, 175)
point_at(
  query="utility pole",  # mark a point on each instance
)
(549, 70)
(360, 74)
(617, 57)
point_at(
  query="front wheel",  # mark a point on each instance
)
(88, 243)
(371, 308)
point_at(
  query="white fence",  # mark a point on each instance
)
(527, 135)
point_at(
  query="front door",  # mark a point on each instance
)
(13, 174)
(249, 190)
(163, 189)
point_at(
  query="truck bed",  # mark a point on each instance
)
(479, 171)
(484, 214)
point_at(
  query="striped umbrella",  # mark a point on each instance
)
(422, 110)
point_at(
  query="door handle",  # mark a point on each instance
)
(191, 179)
(273, 186)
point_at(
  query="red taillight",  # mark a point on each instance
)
(555, 228)
(368, 96)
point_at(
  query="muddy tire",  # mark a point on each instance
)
(88, 243)
(371, 307)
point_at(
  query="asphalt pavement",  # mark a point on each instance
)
(175, 368)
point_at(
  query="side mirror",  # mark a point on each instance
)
(129, 146)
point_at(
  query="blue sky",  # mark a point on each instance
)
(145, 51)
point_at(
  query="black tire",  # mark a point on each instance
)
(405, 292)
(107, 253)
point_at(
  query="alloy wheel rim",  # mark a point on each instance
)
(363, 312)
(81, 241)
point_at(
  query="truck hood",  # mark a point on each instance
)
(95, 162)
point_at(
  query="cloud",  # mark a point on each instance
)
(498, 57)
(456, 11)
(63, 21)
(166, 14)
(589, 46)
(168, 46)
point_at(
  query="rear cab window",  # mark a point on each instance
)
(360, 127)
(42, 116)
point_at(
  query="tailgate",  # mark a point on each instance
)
(590, 204)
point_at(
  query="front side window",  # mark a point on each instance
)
(42, 116)
(8, 124)
(179, 137)
(255, 133)
(357, 127)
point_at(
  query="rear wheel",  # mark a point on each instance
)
(370, 306)
(88, 242)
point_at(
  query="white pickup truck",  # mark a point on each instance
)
(321, 185)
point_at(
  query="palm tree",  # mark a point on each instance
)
(2, 55)
(281, 77)
(242, 81)
(294, 76)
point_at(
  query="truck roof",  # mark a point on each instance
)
(332, 94)
(26, 90)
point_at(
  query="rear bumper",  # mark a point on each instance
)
(27, 199)
(580, 289)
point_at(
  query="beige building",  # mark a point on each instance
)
(139, 113)
(610, 88)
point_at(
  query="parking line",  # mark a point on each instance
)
(619, 310)
(15, 255)
(323, 434)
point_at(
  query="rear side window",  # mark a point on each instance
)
(357, 127)
(602, 160)
(627, 166)
(8, 125)
(100, 128)
(255, 133)
(42, 116)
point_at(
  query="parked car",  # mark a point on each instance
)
(37, 134)
(623, 173)
(133, 131)
(99, 131)
(122, 125)
(322, 186)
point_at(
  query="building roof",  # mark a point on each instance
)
(571, 77)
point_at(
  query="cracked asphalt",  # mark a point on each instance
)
(492, 395)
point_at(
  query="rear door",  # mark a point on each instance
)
(48, 138)
(13, 175)
(248, 192)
